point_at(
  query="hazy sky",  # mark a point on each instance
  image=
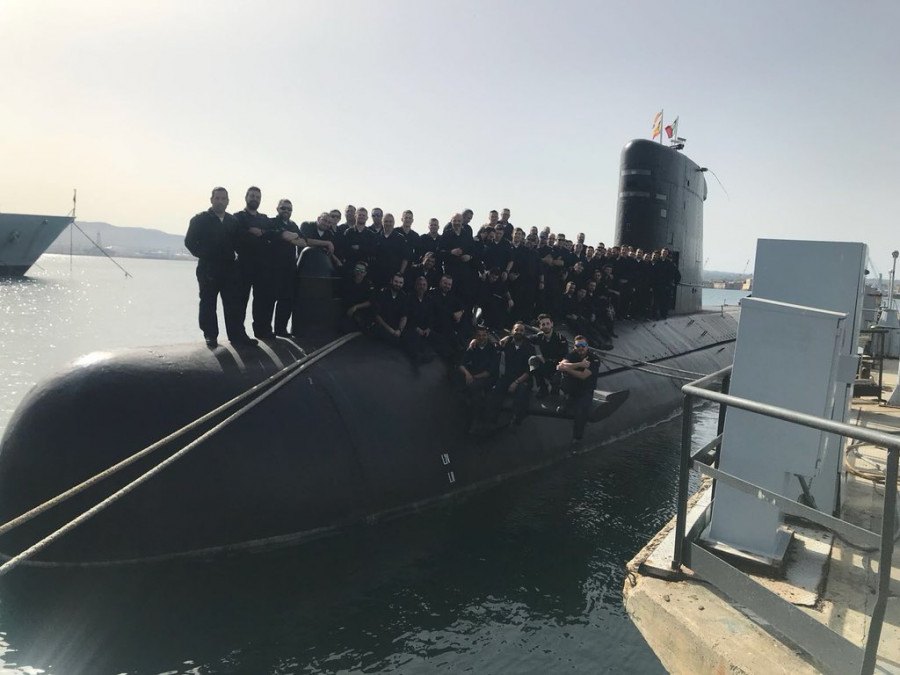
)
(435, 106)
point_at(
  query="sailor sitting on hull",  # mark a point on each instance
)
(478, 370)
(552, 347)
(579, 378)
(390, 311)
(357, 298)
(516, 378)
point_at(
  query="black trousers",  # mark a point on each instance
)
(257, 276)
(215, 279)
(545, 372)
(580, 395)
(521, 396)
(281, 296)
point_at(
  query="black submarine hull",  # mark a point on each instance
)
(362, 434)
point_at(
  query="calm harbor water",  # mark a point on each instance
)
(524, 578)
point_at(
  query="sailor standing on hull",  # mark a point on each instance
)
(253, 264)
(283, 253)
(212, 237)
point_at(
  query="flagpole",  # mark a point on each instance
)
(72, 226)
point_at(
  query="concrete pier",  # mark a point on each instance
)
(693, 628)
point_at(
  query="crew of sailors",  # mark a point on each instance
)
(497, 275)
(438, 293)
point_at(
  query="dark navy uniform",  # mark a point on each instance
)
(283, 260)
(427, 244)
(390, 254)
(523, 281)
(666, 281)
(554, 348)
(214, 241)
(390, 305)
(516, 356)
(463, 272)
(482, 363)
(356, 293)
(255, 274)
(447, 334)
(357, 246)
(580, 393)
(412, 243)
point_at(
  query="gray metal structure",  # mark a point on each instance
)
(786, 355)
(830, 276)
(831, 651)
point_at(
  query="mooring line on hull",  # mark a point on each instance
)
(274, 383)
(635, 364)
(175, 435)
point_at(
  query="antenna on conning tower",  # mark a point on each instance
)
(704, 169)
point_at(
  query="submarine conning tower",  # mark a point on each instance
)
(660, 205)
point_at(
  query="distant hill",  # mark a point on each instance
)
(127, 242)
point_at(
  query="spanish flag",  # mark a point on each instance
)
(657, 124)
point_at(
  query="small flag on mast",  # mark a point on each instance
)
(657, 124)
(672, 129)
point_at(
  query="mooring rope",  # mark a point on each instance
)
(274, 383)
(650, 368)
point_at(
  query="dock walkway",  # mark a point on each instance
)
(694, 629)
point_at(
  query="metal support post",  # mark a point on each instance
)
(720, 427)
(884, 563)
(683, 477)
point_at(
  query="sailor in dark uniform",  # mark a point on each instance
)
(553, 348)
(212, 236)
(377, 225)
(516, 378)
(410, 235)
(358, 243)
(253, 262)
(391, 253)
(457, 249)
(390, 311)
(525, 276)
(357, 295)
(349, 220)
(320, 235)
(478, 371)
(449, 330)
(429, 241)
(419, 320)
(579, 379)
(508, 228)
(283, 252)
(420, 310)
(494, 300)
(667, 279)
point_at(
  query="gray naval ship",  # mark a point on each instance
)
(298, 438)
(24, 238)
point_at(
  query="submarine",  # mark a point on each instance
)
(249, 448)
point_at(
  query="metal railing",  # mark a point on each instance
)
(828, 648)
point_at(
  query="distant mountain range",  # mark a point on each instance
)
(125, 242)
